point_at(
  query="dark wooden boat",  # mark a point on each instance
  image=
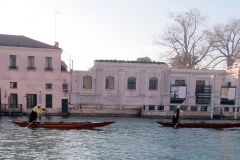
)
(200, 125)
(62, 125)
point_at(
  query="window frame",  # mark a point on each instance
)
(49, 100)
(154, 86)
(13, 62)
(31, 65)
(31, 100)
(85, 79)
(194, 108)
(48, 84)
(151, 107)
(132, 86)
(14, 85)
(64, 86)
(48, 64)
(160, 107)
(13, 100)
(109, 82)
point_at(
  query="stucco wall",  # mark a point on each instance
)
(29, 81)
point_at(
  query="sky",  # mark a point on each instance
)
(89, 30)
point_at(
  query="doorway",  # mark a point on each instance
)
(65, 106)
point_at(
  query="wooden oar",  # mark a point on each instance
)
(177, 123)
(32, 122)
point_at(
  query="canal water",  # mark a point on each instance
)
(127, 139)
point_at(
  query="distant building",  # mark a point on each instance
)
(153, 89)
(30, 74)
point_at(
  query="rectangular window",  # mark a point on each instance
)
(13, 101)
(183, 108)
(204, 108)
(109, 84)
(31, 100)
(48, 86)
(172, 108)
(13, 84)
(153, 83)
(87, 82)
(200, 86)
(13, 62)
(151, 107)
(31, 63)
(64, 86)
(131, 84)
(48, 64)
(226, 109)
(48, 101)
(194, 108)
(161, 108)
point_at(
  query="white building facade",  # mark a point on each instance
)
(30, 74)
(154, 90)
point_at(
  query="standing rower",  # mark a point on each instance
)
(36, 112)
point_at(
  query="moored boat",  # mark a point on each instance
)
(200, 125)
(62, 125)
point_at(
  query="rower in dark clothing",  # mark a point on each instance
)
(36, 112)
(175, 118)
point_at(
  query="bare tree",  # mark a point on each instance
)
(187, 39)
(226, 42)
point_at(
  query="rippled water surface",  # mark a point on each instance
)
(127, 139)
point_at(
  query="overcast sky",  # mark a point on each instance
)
(88, 30)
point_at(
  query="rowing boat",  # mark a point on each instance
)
(62, 125)
(200, 125)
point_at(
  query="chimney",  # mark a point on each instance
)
(56, 44)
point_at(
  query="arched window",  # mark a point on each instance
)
(87, 82)
(153, 83)
(131, 84)
(109, 82)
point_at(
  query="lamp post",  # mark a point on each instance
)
(40, 96)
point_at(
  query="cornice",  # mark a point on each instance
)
(30, 49)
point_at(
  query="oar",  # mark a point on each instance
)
(177, 123)
(32, 122)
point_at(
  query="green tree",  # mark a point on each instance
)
(144, 59)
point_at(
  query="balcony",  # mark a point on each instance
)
(12, 108)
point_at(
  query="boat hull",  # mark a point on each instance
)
(200, 125)
(62, 125)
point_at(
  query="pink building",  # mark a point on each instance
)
(31, 73)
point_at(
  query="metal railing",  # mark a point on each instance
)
(13, 108)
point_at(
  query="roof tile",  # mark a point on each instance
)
(22, 41)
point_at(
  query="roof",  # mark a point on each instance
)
(22, 41)
(123, 61)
